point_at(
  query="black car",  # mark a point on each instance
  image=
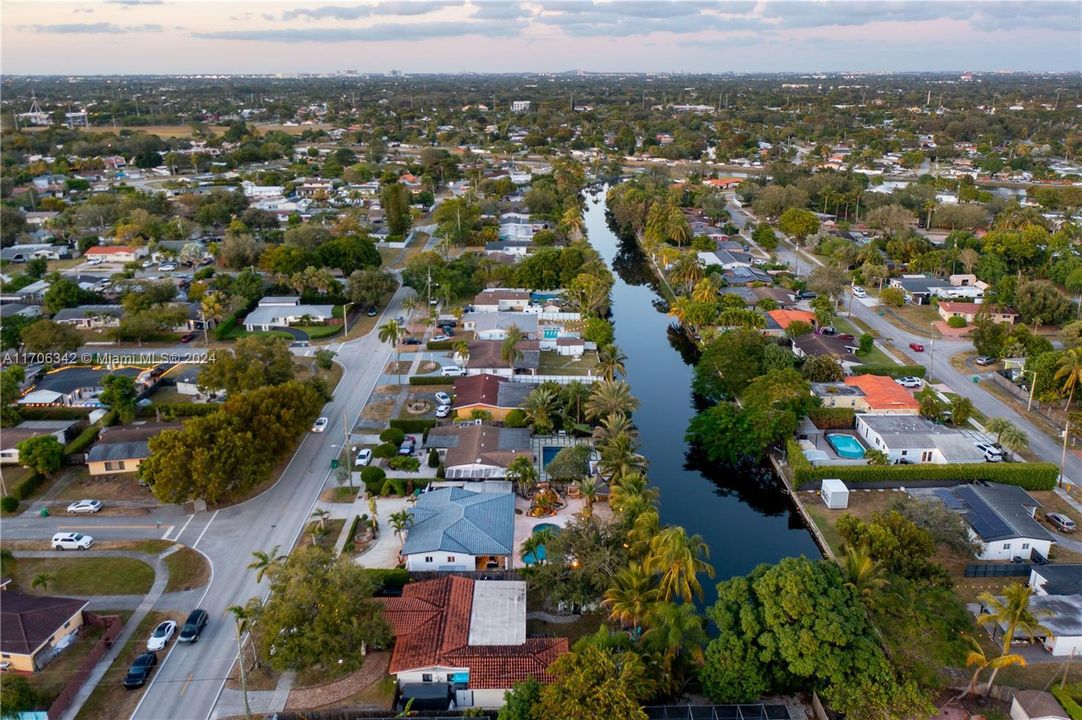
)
(140, 670)
(448, 330)
(194, 625)
(411, 341)
(372, 311)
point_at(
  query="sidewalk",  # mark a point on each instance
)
(261, 702)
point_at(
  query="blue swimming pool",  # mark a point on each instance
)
(548, 452)
(531, 558)
(846, 446)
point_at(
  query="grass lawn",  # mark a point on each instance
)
(319, 332)
(916, 319)
(554, 364)
(342, 494)
(187, 569)
(56, 675)
(150, 547)
(334, 529)
(110, 698)
(86, 575)
(239, 332)
(876, 356)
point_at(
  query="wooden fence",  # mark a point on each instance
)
(112, 625)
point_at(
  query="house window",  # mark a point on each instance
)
(904, 453)
(1025, 546)
(926, 456)
(1006, 546)
(67, 624)
(450, 558)
(119, 465)
(426, 677)
(428, 558)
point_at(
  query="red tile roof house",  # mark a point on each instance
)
(467, 637)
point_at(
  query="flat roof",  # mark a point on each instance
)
(498, 616)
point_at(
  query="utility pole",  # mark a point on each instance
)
(1063, 455)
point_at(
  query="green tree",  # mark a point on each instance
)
(62, 294)
(595, 683)
(523, 474)
(540, 404)
(892, 297)
(369, 286)
(1010, 611)
(610, 397)
(401, 521)
(455, 218)
(989, 337)
(728, 363)
(43, 454)
(266, 562)
(256, 361)
(632, 596)
(48, 337)
(798, 223)
(395, 199)
(822, 368)
(678, 559)
(391, 333)
(1007, 434)
(17, 695)
(42, 580)
(1069, 372)
(961, 409)
(570, 465)
(519, 701)
(119, 394)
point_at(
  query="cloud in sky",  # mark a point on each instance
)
(383, 32)
(99, 28)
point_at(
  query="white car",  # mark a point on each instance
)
(452, 371)
(364, 457)
(443, 411)
(991, 452)
(320, 425)
(72, 541)
(84, 506)
(858, 292)
(443, 398)
(94, 261)
(167, 267)
(160, 637)
(147, 264)
(910, 382)
(439, 338)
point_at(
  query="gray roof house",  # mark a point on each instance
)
(472, 451)
(457, 529)
(1057, 579)
(90, 316)
(913, 439)
(494, 326)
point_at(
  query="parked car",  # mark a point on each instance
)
(443, 398)
(411, 341)
(187, 337)
(140, 670)
(1060, 522)
(320, 424)
(408, 445)
(448, 330)
(858, 292)
(161, 635)
(372, 311)
(167, 267)
(991, 452)
(84, 506)
(910, 382)
(72, 541)
(363, 457)
(197, 620)
(984, 360)
(916, 347)
(440, 338)
(443, 411)
(846, 336)
(95, 261)
(400, 320)
(147, 264)
(452, 371)
(806, 295)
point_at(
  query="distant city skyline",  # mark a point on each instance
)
(423, 36)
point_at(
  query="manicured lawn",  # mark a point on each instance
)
(187, 569)
(318, 332)
(334, 529)
(876, 356)
(554, 364)
(238, 332)
(86, 575)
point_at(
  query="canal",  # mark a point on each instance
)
(744, 516)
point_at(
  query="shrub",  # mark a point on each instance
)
(373, 478)
(429, 380)
(441, 472)
(405, 462)
(893, 297)
(1028, 476)
(441, 345)
(9, 503)
(28, 486)
(352, 533)
(516, 419)
(894, 371)
(412, 425)
(433, 458)
(832, 418)
(956, 322)
(393, 486)
(389, 577)
(83, 441)
(1070, 697)
(385, 450)
(324, 359)
(393, 435)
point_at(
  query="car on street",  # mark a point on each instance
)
(452, 371)
(372, 311)
(859, 292)
(187, 337)
(84, 506)
(409, 444)
(806, 295)
(1060, 522)
(443, 411)
(448, 330)
(140, 670)
(411, 341)
(443, 398)
(72, 541)
(147, 264)
(320, 424)
(364, 457)
(916, 347)
(400, 320)
(991, 452)
(167, 267)
(197, 620)
(161, 635)
(985, 360)
(440, 338)
(910, 382)
(95, 261)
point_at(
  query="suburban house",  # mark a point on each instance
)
(494, 325)
(725, 259)
(33, 626)
(516, 248)
(458, 529)
(501, 299)
(913, 439)
(62, 430)
(90, 317)
(17, 310)
(870, 394)
(485, 358)
(115, 253)
(1056, 579)
(489, 394)
(75, 385)
(519, 226)
(462, 643)
(23, 253)
(120, 449)
(1058, 588)
(741, 275)
(813, 344)
(920, 289)
(1036, 705)
(474, 451)
(778, 321)
(284, 311)
(969, 311)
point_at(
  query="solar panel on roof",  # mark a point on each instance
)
(984, 520)
(949, 499)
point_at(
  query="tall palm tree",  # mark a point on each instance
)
(540, 404)
(571, 221)
(862, 574)
(706, 290)
(1070, 372)
(401, 521)
(266, 563)
(391, 332)
(589, 488)
(645, 527)
(573, 397)
(978, 659)
(1007, 434)
(242, 619)
(1011, 612)
(631, 597)
(321, 515)
(678, 559)
(632, 495)
(610, 397)
(523, 474)
(410, 305)
(675, 631)
(613, 425)
(42, 580)
(610, 362)
(619, 459)
(509, 351)
(686, 270)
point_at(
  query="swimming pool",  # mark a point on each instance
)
(548, 452)
(846, 446)
(534, 557)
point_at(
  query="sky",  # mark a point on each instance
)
(255, 36)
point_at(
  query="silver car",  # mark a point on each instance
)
(80, 507)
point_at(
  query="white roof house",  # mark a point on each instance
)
(913, 439)
(279, 312)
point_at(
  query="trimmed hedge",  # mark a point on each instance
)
(412, 425)
(430, 380)
(373, 478)
(55, 413)
(894, 371)
(1028, 476)
(441, 345)
(832, 418)
(389, 577)
(85, 439)
(187, 409)
(1070, 697)
(28, 486)
(9, 503)
(393, 435)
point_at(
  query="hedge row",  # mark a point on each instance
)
(85, 439)
(389, 577)
(55, 413)
(412, 425)
(894, 371)
(28, 486)
(352, 532)
(441, 345)
(430, 380)
(179, 410)
(832, 418)
(1069, 697)
(1028, 476)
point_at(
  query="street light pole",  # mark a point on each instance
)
(1063, 455)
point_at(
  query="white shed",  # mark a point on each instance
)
(835, 494)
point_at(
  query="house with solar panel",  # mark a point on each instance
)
(1002, 518)
(458, 529)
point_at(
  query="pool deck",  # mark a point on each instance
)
(820, 442)
(538, 442)
(524, 524)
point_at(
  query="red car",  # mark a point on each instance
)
(187, 337)
(916, 347)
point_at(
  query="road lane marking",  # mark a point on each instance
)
(184, 687)
(108, 527)
(207, 527)
(166, 535)
(184, 527)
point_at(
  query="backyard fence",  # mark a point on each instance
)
(418, 575)
(112, 625)
(998, 570)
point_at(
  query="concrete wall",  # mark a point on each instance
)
(439, 560)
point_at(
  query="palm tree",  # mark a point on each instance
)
(613, 425)
(242, 619)
(42, 580)
(589, 489)
(632, 495)
(632, 596)
(977, 658)
(645, 527)
(676, 632)
(391, 332)
(410, 305)
(1011, 612)
(706, 290)
(610, 362)
(461, 349)
(401, 521)
(509, 351)
(573, 396)
(610, 397)
(523, 474)
(538, 408)
(321, 515)
(571, 221)
(266, 563)
(619, 459)
(678, 559)
(863, 575)
(686, 270)
(1070, 371)
(1007, 434)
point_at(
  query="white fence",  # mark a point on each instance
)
(560, 316)
(561, 379)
